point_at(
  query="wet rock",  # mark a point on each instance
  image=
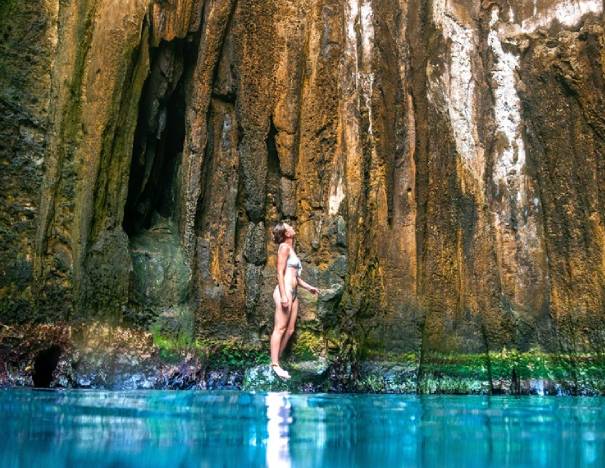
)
(305, 376)
(259, 377)
(308, 370)
(387, 377)
(135, 381)
(224, 379)
(188, 374)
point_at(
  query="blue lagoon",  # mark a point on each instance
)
(229, 428)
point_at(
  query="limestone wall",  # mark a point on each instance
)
(443, 163)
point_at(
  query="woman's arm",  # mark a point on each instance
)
(282, 257)
(307, 286)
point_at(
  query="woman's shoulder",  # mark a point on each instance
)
(284, 247)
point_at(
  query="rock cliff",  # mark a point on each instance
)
(442, 161)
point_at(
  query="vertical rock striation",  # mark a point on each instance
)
(442, 162)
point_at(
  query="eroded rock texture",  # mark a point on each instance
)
(442, 162)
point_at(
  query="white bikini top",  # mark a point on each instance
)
(294, 261)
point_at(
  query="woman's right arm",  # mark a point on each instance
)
(282, 258)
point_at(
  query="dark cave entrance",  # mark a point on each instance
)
(159, 137)
(45, 364)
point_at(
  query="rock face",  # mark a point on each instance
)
(442, 162)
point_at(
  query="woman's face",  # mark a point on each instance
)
(290, 232)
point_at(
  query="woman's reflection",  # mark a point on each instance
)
(278, 428)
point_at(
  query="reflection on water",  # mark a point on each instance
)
(278, 424)
(163, 428)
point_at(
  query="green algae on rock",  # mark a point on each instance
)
(97, 355)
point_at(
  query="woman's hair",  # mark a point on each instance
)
(279, 233)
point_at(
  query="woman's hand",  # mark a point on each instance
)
(285, 303)
(307, 286)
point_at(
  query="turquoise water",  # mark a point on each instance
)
(193, 428)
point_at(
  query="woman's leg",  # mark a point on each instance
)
(279, 327)
(290, 326)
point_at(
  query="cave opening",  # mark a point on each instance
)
(45, 363)
(159, 136)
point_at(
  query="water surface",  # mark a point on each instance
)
(228, 428)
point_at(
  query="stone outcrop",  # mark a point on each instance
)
(442, 162)
(93, 355)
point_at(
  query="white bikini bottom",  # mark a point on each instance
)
(289, 289)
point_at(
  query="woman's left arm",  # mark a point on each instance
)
(307, 286)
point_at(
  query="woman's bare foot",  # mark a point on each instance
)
(281, 373)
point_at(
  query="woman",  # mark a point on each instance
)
(289, 268)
